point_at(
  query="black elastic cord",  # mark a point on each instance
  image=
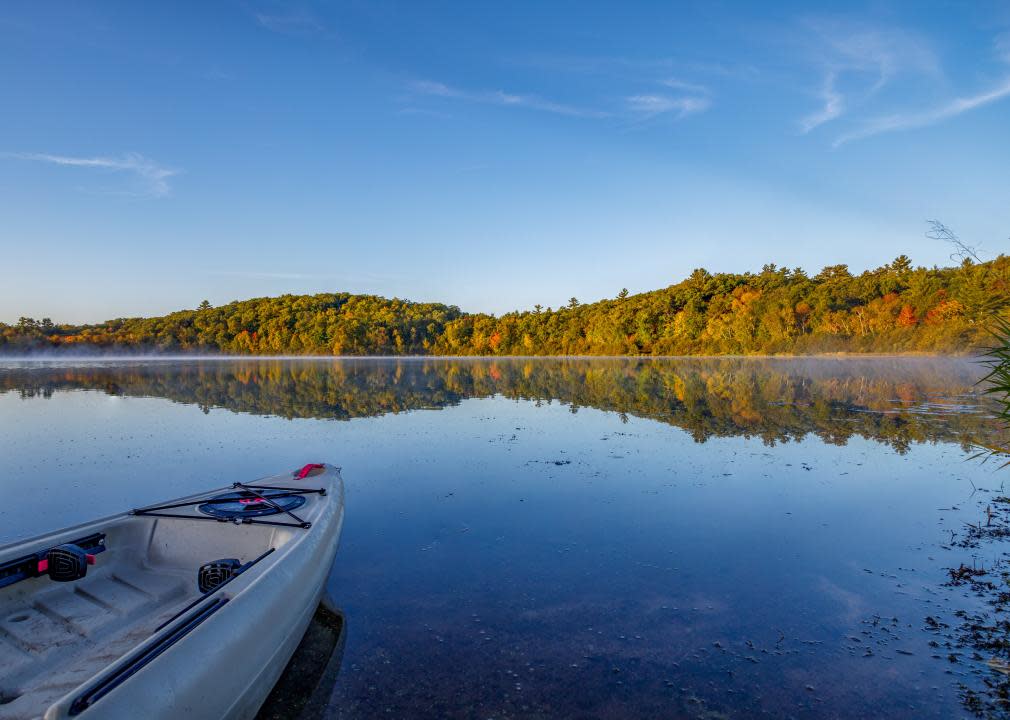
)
(288, 492)
(294, 491)
(239, 520)
(274, 505)
(152, 510)
(222, 501)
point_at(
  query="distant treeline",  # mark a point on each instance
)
(895, 308)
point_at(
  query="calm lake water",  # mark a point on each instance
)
(568, 537)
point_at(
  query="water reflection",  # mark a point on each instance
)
(896, 401)
(303, 691)
(575, 538)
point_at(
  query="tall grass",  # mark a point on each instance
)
(997, 382)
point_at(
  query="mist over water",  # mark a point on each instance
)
(569, 537)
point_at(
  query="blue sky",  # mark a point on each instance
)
(489, 155)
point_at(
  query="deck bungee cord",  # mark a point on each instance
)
(246, 506)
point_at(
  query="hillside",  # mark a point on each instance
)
(895, 308)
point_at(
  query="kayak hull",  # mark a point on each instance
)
(136, 638)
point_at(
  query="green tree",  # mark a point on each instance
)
(894, 308)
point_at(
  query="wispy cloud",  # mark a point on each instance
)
(636, 107)
(428, 87)
(504, 99)
(944, 111)
(300, 23)
(868, 58)
(649, 106)
(692, 98)
(1002, 47)
(892, 123)
(683, 85)
(153, 177)
(834, 105)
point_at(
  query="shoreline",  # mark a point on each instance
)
(185, 357)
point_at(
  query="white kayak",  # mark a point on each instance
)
(189, 609)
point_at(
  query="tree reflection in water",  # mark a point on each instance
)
(897, 401)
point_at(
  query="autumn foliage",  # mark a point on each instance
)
(894, 308)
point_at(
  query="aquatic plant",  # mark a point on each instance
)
(999, 377)
(997, 382)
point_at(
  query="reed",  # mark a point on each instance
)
(997, 381)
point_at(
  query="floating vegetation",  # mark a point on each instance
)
(984, 634)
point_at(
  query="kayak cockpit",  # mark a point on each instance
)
(54, 636)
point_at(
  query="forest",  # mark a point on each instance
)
(895, 308)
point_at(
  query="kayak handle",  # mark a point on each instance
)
(307, 470)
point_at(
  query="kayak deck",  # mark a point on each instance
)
(64, 636)
(55, 636)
